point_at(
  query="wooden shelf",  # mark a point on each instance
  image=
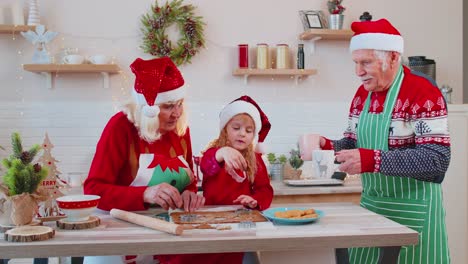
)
(329, 34)
(49, 69)
(297, 73)
(75, 68)
(8, 29)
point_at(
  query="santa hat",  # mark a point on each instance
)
(377, 35)
(157, 81)
(246, 105)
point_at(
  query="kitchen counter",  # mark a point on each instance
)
(344, 225)
(350, 191)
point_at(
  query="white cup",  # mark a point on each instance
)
(73, 59)
(76, 179)
(99, 59)
(323, 161)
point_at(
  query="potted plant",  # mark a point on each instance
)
(19, 192)
(336, 10)
(276, 165)
(291, 170)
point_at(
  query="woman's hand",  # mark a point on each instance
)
(246, 200)
(232, 158)
(192, 201)
(163, 194)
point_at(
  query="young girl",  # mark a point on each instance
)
(232, 172)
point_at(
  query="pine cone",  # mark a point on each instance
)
(37, 168)
(25, 157)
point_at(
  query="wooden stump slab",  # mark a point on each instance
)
(92, 222)
(29, 233)
(4, 228)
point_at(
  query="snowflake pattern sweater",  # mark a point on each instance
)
(419, 139)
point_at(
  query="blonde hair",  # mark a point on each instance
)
(248, 154)
(148, 127)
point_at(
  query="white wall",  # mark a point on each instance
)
(75, 112)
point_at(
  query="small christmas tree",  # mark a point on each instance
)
(51, 183)
(22, 176)
(19, 190)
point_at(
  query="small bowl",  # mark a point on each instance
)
(78, 207)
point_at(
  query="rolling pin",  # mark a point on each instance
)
(147, 221)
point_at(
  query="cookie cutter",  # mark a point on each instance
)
(247, 224)
(243, 211)
(188, 218)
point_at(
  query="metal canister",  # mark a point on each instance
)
(282, 56)
(262, 56)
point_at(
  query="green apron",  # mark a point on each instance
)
(415, 204)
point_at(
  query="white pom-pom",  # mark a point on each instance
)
(150, 111)
(260, 148)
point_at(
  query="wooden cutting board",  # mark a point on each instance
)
(217, 217)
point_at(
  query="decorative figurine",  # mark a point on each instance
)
(39, 40)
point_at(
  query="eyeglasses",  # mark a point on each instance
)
(171, 106)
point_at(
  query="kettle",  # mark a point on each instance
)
(423, 65)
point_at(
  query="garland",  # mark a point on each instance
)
(155, 23)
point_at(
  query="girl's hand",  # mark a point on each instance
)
(232, 158)
(246, 200)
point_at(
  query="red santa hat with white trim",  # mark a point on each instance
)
(157, 81)
(246, 105)
(377, 35)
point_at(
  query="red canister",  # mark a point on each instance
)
(243, 55)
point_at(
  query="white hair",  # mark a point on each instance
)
(382, 55)
(148, 127)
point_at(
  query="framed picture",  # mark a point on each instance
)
(312, 19)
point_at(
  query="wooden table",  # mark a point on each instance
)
(349, 192)
(343, 226)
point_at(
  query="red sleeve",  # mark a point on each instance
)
(108, 168)
(209, 165)
(367, 160)
(328, 144)
(262, 190)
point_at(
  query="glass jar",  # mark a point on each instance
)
(243, 56)
(446, 93)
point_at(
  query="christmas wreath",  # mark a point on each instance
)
(155, 23)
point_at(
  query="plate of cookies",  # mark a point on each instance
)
(293, 215)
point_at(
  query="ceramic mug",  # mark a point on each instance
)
(307, 144)
(323, 161)
(73, 59)
(99, 59)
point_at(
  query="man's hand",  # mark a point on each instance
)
(232, 158)
(192, 201)
(163, 194)
(350, 160)
(246, 200)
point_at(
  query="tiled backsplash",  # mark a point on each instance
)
(75, 127)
